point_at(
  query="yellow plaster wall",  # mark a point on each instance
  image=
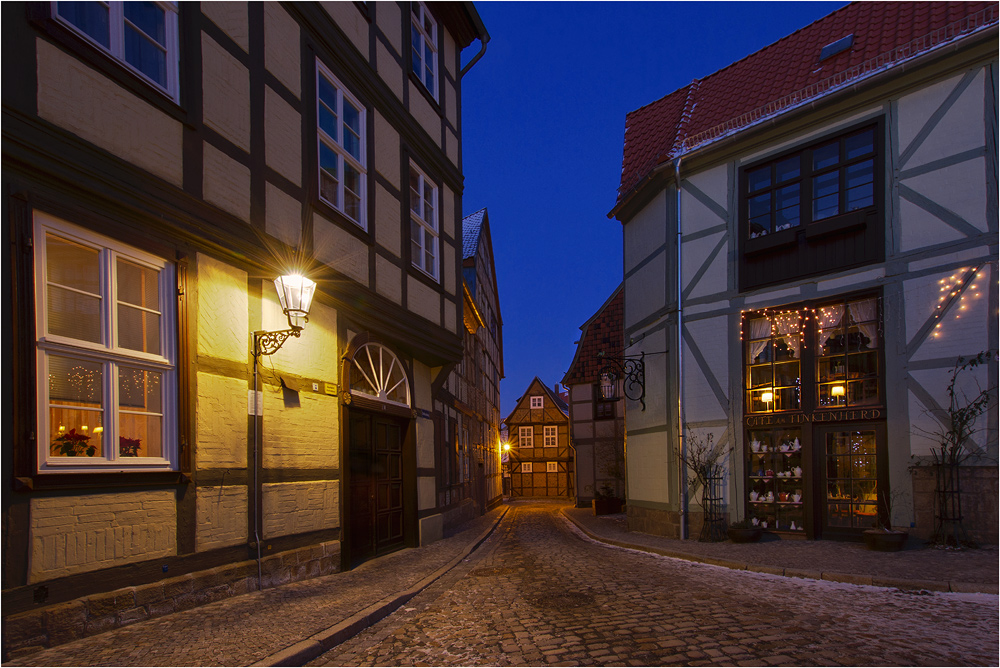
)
(221, 517)
(300, 507)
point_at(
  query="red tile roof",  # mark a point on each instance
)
(789, 72)
(602, 333)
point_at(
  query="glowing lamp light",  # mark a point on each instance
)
(295, 292)
(837, 391)
(506, 447)
(767, 397)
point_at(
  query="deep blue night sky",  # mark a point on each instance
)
(543, 119)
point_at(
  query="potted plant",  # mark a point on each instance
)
(744, 531)
(883, 538)
(956, 447)
(73, 444)
(705, 467)
(605, 502)
(128, 447)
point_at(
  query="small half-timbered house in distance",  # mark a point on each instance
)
(541, 453)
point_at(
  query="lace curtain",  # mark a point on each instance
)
(829, 319)
(791, 332)
(760, 328)
(863, 314)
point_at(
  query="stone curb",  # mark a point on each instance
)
(850, 578)
(306, 650)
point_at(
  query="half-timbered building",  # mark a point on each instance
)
(811, 232)
(597, 422)
(162, 164)
(541, 461)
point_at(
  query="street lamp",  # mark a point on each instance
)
(295, 292)
(631, 370)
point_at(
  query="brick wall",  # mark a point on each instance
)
(87, 532)
(91, 106)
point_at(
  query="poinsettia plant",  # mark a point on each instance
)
(74, 444)
(128, 447)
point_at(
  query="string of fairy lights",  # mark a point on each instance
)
(957, 294)
(955, 290)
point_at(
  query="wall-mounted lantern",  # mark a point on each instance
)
(295, 293)
(631, 371)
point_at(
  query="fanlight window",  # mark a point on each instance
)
(378, 373)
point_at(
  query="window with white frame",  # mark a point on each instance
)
(536, 402)
(141, 35)
(524, 437)
(551, 467)
(550, 439)
(341, 138)
(105, 352)
(423, 46)
(423, 223)
(526, 467)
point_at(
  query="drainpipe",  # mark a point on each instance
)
(484, 39)
(682, 445)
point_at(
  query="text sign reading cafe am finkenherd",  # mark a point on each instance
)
(823, 416)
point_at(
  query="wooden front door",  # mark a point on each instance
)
(375, 513)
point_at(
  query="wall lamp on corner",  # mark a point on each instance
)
(295, 292)
(631, 371)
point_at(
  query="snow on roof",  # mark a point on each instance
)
(472, 227)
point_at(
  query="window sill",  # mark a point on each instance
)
(99, 480)
(429, 96)
(771, 241)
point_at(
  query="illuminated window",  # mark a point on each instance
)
(105, 352)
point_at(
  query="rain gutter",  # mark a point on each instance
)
(833, 95)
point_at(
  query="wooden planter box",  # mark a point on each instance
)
(885, 541)
(748, 535)
(607, 506)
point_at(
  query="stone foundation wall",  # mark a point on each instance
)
(53, 625)
(980, 501)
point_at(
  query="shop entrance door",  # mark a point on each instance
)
(849, 459)
(375, 500)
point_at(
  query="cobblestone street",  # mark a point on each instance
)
(539, 592)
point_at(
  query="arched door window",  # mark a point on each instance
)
(376, 372)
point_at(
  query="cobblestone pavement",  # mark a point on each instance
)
(538, 592)
(246, 629)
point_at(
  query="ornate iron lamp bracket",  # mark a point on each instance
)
(268, 343)
(631, 371)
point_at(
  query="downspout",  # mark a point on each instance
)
(484, 39)
(682, 445)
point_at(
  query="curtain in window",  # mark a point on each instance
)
(828, 319)
(863, 314)
(760, 328)
(790, 330)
